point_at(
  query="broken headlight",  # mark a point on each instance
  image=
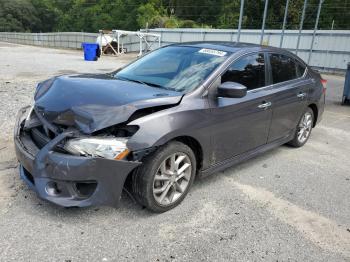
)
(111, 148)
(43, 87)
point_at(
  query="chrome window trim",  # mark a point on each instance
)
(272, 86)
(207, 84)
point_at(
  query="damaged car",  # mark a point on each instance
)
(182, 111)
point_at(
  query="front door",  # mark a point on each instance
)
(241, 124)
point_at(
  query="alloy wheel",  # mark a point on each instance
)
(172, 179)
(305, 127)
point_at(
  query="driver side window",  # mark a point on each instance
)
(248, 71)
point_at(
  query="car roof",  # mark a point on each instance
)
(233, 47)
(227, 46)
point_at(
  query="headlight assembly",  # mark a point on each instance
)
(111, 148)
(43, 87)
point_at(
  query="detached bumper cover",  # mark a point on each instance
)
(68, 180)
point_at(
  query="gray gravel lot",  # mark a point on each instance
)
(286, 205)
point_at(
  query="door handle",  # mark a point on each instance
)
(264, 105)
(301, 95)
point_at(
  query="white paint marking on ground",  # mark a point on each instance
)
(336, 114)
(320, 230)
(205, 220)
(339, 133)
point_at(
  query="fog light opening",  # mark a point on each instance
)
(52, 189)
(85, 189)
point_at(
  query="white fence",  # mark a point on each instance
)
(330, 51)
(63, 39)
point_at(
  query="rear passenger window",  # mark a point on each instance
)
(248, 71)
(283, 68)
(300, 69)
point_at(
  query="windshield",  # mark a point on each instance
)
(177, 68)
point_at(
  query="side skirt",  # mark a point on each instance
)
(243, 157)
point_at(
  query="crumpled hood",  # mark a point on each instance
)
(93, 102)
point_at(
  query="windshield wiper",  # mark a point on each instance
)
(144, 83)
(131, 80)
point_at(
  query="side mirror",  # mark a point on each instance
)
(232, 89)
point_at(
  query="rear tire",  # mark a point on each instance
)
(303, 129)
(165, 177)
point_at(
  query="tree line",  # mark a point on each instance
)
(92, 15)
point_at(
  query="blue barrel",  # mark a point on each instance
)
(90, 51)
(346, 93)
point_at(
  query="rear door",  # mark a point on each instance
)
(290, 94)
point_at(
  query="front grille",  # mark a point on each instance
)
(39, 137)
(40, 131)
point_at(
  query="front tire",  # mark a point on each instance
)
(303, 129)
(165, 177)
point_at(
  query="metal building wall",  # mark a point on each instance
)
(331, 50)
(59, 39)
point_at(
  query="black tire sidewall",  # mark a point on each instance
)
(149, 169)
(295, 142)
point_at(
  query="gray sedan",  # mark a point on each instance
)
(181, 111)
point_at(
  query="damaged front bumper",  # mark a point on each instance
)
(68, 180)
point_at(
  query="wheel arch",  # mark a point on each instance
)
(190, 141)
(315, 111)
(195, 147)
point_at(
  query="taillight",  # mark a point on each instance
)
(324, 83)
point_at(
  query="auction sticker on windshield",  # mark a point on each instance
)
(212, 52)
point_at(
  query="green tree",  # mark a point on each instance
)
(229, 14)
(149, 15)
(17, 15)
(92, 15)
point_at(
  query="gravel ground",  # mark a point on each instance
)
(286, 205)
